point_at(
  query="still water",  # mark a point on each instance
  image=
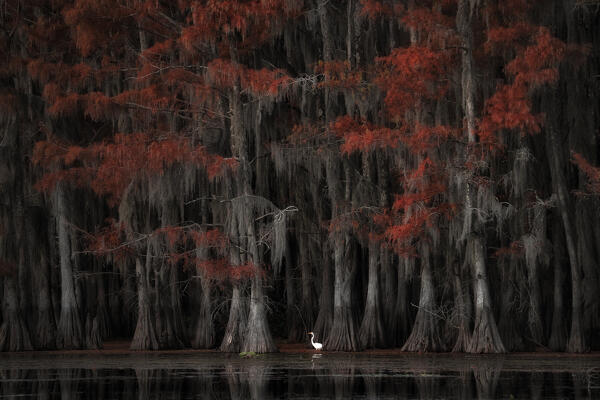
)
(297, 376)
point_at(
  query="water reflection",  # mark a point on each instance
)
(339, 376)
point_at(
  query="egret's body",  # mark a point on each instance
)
(317, 346)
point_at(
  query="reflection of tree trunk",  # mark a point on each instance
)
(425, 334)
(69, 383)
(487, 374)
(537, 385)
(237, 390)
(373, 383)
(343, 381)
(257, 379)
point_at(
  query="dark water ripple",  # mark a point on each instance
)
(297, 376)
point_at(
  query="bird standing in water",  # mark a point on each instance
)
(317, 346)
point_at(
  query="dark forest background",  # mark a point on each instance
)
(214, 174)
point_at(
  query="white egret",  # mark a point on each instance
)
(317, 346)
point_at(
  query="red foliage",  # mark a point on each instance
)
(110, 167)
(410, 76)
(515, 249)
(110, 240)
(215, 20)
(374, 8)
(363, 136)
(338, 74)
(221, 269)
(264, 82)
(592, 173)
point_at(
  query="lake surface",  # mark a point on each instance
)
(297, 376)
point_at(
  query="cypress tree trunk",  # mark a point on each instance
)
(204, 334)
(576, 342)
(45, 337)
(485, 338)
(508, 324)
(145, 337)
(371, 333)
(14, 335)
(258, 335)
(402, 326)
(104, 323)
(295, 332)
(70, 331)
(558, 335)
(308, 293)
(463, 313)
(425, 335)
(534, 312)
(236, 324)
(343, 334)
(325, 317)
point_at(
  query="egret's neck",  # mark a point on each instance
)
(312, 338)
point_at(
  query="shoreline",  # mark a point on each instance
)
(121, 347)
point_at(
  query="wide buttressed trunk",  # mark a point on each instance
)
(14, 335)
(426, 333)
(343, 335)
(485, 337)
(258, 336)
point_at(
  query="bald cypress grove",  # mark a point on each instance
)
(420, 174)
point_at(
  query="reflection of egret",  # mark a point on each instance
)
(317, 346)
